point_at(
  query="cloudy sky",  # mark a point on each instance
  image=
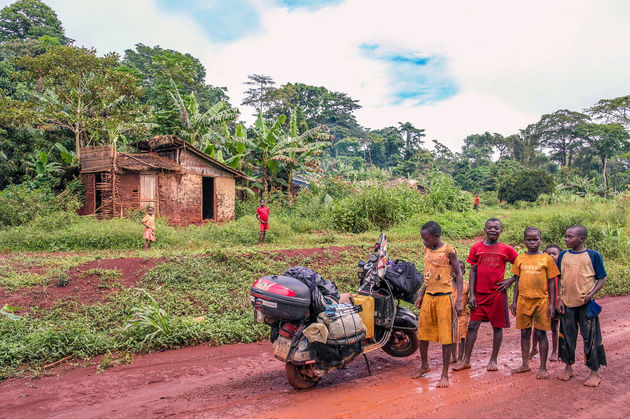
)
(452, 67)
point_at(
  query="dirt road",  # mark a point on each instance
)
(245, 380)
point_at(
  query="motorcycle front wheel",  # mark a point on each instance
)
(297, 378)
(402, 343)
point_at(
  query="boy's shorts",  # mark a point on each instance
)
(532, 312)
(264, 226)
(436, 319)
(463, 324)
(493, 308)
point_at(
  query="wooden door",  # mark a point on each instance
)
(148, 192)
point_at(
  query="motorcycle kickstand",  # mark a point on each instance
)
(367, 363)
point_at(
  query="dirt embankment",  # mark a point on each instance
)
(87, 283)
(245, 380)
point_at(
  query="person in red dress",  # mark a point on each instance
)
(262, 214)
(476, 204)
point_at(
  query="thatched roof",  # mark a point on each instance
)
(146, 161)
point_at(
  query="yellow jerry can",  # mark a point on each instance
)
(367, 314)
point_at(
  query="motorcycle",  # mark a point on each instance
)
(283, 304)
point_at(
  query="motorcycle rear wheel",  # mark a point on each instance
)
(402, 343)
(297, 379)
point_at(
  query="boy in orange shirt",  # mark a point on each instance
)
(552, 250)
(534, 272)
(437, 314)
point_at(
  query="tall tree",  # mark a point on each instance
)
(412, 137)
(608, 140)
(258, 94)
(444, 158)
(160, 71)
(478, 148)
(80, 92)
(615, 110)
(559, 133)
(30, 19)
(319, 106)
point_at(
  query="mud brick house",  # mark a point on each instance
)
(183, 184)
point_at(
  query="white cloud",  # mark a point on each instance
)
(512, 61)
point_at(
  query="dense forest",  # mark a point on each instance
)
(56, 97)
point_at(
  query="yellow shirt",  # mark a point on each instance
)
(533, 271)
(149, 221)
(437, 269)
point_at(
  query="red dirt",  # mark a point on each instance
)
(474, 240)
(245, 380)
(82, 287)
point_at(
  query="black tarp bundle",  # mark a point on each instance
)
(406, 280)
(323, 292)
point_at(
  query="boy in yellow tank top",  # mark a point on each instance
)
(438, 311)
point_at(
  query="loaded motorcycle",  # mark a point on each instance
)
(373, 320)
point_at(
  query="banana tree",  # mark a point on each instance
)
(199, 128)
(268, 141)
(300, 153)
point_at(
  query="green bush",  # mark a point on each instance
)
(20, 204)
(525, 185)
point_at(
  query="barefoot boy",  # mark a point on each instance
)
(552, 250)
(534, 272)
(149, 228)
(437, 316)
(462, 319)
(487, 300)
(262, 215)
(583, 275)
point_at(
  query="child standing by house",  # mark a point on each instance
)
(149, 228)
(462, 319)
(262, 215)
(438, 310)
(583, 275)
(488, 298)
(534, 272)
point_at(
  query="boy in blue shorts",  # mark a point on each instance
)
(582, 276)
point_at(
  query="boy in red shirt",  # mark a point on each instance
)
(488, 298)
(262, 214)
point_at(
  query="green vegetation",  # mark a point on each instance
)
(200, 296)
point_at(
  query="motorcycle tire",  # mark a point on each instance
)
(298, 380)
(402, 343)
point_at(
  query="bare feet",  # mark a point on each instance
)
(542, 374)
(533, 353)
(553, 357)
(461, 365)
(566, 374)
(492, 366)
(421, 371)
(523, 368)
(593, 380)
(443, 382)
